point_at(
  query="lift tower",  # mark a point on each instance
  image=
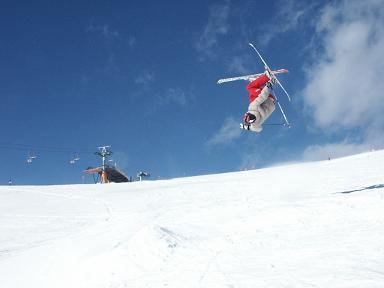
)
(104, 152)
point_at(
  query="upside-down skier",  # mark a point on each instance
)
(261, 102)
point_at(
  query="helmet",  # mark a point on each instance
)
(249, 118)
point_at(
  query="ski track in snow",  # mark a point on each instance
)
(316, 224)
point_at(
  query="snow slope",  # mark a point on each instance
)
(318, 224)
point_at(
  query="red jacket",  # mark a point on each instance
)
(254, 88)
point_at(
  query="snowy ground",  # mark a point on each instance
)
(317, 224)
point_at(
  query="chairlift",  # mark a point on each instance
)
(74, 159)
(31, 157)
(141, 175)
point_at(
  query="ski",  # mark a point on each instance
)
(287, 124)
(250, 77)
(267, 67)
(278, 82)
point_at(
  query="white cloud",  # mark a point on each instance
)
(104, 30)
(176, 96)
(345, 87)
(131, 41)
(144, 78)
(183, 98)
(239, 64)
(109, 35)
(334, 150)
(108, 38)
(370, 140)
(229, 132)
(290, 15)
(217, 26)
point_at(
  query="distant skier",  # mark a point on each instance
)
(262, 102)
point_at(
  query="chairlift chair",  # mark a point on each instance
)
(31, 157)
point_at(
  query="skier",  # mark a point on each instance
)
(262, 102)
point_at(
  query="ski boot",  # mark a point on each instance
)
(244, 126)
(271, 76)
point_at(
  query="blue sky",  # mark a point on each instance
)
(141, 76)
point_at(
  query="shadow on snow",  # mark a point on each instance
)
(377, 186)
